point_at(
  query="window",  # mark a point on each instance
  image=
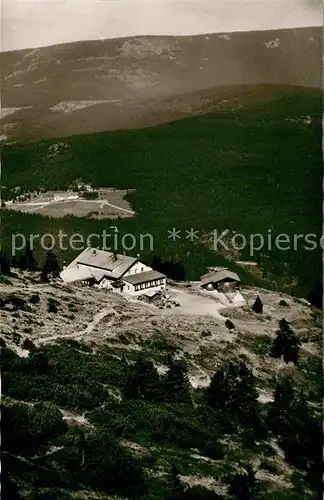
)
(142, 269)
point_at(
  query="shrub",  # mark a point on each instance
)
(229, 324)
(99, 462)
(89, 195)
(28, 345)
(52, 306)
(200, 493)
(258, 305)
(26, 428)
(16, 337)
(34, 299)
(244, 486)
(18, 302)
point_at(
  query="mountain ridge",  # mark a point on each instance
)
(120, 78)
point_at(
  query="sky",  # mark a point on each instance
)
(35, 23)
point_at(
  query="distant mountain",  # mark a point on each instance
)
(112, 84)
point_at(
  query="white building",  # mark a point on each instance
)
(116, 272)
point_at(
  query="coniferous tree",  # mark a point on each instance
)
(258, 305)
(280, 408)
(299, 434)
(315, 296)
(244, 486)
(232, 392)
(286, 343)
(175, 489)
(30, 259)
(22, 262)
(229, 324)
(143, 381)
(39, 361)
(176, 383)
(51, 267)
(4, 264)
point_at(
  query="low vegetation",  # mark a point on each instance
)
(78, 421)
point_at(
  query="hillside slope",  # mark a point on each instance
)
(85, 378)
(215, 171)
(112, 84)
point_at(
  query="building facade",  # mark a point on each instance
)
(115, 272)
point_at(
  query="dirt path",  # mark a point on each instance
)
(36, 205)
(115, 206)
(96, 319)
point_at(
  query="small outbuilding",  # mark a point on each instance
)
(223, 280)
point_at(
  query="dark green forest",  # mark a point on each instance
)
(251, 169)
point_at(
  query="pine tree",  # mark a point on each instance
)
(176, 383)
(315, 296)
(229, 324)
(30, 259)
(244, 486)
(175, 490)
(258, 305)
(286, 343)
(281, 406)
(143, 381)
(51, 267)
(232, 392)
(39, 362)
(4, 264)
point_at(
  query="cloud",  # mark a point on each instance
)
(31, 23)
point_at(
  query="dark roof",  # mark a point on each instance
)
(139, 278)
(219, 276)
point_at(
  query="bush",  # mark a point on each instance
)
(28, 345)
(200, 493)
(258, 305)
(18, 303)
(244, 486)
(34, 299)
(25, 429)
(89, 195)
(229, 324)
(16, 337)
(99, 462)
(52, 306)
